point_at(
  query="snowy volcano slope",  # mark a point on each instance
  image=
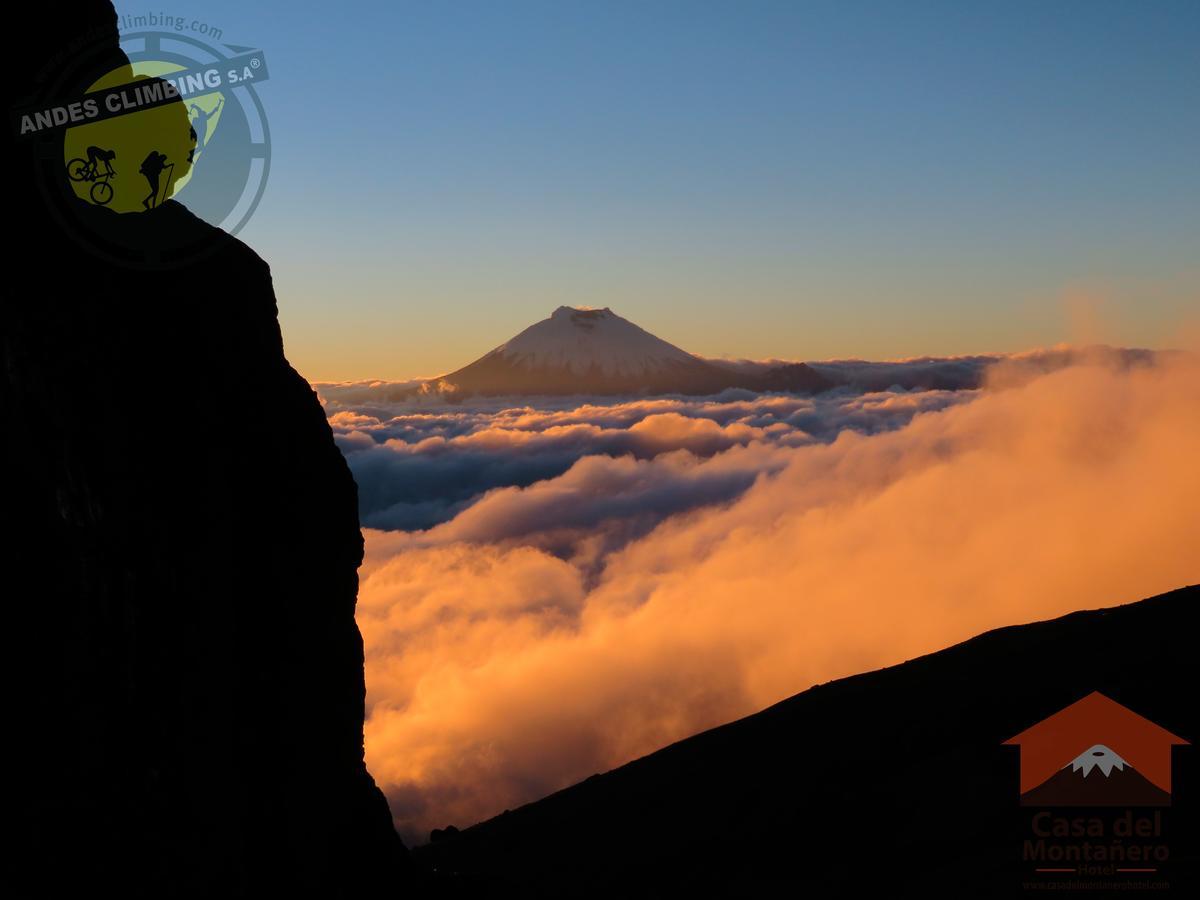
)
(592, 340)
(595, 351)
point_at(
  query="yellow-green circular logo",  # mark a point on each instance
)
(170, 123)
(136, 160)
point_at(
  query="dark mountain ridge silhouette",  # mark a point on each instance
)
(888, 783)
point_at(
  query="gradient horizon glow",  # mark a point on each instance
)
(802, 180)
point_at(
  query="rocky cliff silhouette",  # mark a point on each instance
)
(187, 675)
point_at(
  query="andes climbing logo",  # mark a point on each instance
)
(181, 120)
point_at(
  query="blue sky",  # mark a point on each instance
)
(803, 180)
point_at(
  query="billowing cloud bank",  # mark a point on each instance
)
(616, 577)
(416, 469)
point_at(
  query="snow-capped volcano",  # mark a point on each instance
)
(596, 351)
(587, 340)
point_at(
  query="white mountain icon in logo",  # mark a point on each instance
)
(1099, 757)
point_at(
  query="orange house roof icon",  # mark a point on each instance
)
(1095, 735)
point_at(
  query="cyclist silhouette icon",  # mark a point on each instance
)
(89, 170)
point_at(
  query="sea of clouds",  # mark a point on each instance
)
(555, 587)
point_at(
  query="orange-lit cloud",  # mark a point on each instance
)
(553, 629)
